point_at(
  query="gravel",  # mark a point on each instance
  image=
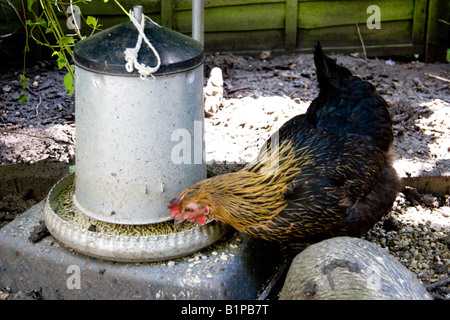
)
(416, 233)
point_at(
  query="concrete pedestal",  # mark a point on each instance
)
(237, 267)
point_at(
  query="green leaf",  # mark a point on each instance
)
(67, 40)
(92, 22)
(30, 4)
(69, 82)
(72, 169)
(61, 62)
(23, 80)
(50, 27)
(41, 22)
(26, 49)
(23, 97)
(61, 59)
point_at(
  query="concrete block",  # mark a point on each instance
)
(236, 267)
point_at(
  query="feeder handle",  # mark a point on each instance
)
(131, 54)
(137, 12)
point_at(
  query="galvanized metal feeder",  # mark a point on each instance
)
(127, 128)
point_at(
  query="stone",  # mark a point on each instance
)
(344, 268)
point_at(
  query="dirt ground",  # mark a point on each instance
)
(260, 94)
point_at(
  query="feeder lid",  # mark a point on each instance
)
(104, 52)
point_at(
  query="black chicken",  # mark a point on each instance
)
(334, 173)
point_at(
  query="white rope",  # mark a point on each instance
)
(77, 28)
(131, 54)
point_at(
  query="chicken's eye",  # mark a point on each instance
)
(188, 210)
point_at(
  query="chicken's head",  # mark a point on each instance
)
(182, 210)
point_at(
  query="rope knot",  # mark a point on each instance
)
(131, 54)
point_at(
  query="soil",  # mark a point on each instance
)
(260, 93)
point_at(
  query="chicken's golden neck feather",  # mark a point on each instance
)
(254, 194)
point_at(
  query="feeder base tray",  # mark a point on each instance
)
(237, 267)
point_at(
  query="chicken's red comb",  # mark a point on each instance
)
(174, 202)
(173, 206)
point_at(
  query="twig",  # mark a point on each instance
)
(443, 282)
(38, 137)
(234, 90)
(17, 12)
(37, 106)
(437, 77)
(362, 41)
(7, 35)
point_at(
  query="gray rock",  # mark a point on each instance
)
(350, 268)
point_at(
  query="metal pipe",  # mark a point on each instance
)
(198, 20)
(137, 12)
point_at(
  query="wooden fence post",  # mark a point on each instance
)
(437, 31)
(290, 39)
(167, 11)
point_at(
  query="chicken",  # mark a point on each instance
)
(329, 175)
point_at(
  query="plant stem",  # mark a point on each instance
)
(57, 32)
(123, 9)
(25, 50)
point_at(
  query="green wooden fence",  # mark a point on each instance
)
(406, 26)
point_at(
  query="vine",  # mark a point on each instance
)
(44, 22)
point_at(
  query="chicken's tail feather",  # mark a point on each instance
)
(329, 74)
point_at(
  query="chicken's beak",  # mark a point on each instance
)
(177, 223)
